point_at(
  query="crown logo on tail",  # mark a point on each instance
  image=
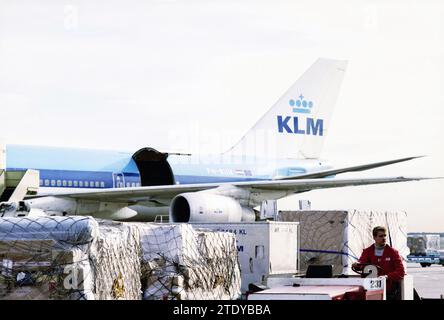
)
(301, 105)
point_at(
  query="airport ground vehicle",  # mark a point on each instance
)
(425, 249)
(320, 284)
(427, 260)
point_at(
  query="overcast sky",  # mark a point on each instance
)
(127, 74)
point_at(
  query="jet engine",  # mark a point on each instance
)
(205, 207)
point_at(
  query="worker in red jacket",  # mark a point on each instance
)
(387, 259)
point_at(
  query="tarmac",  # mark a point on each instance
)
(429, 281)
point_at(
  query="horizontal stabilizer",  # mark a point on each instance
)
(333, 172)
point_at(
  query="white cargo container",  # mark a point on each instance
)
(265, 248)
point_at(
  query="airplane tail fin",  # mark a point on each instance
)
(297, 124)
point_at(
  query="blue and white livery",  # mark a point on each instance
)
(145, 183)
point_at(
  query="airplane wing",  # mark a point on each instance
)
(134, 195)
(332, 172)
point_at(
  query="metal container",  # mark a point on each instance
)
(265, 248)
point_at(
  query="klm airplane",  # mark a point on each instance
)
(141, 185)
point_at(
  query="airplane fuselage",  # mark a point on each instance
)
(62, 169)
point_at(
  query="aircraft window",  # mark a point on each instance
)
(53, 183)
(69, 183)
(97, 184)
(59, 183)
(128, 184)
(46, 182)
(86, 183)
(41, 182)
(91, 184)
(102, 184)
(81, 184)
(76, 183)
(133, 184)
(64, 183)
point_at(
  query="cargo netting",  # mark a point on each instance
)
(183, 263)
(83, 258)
